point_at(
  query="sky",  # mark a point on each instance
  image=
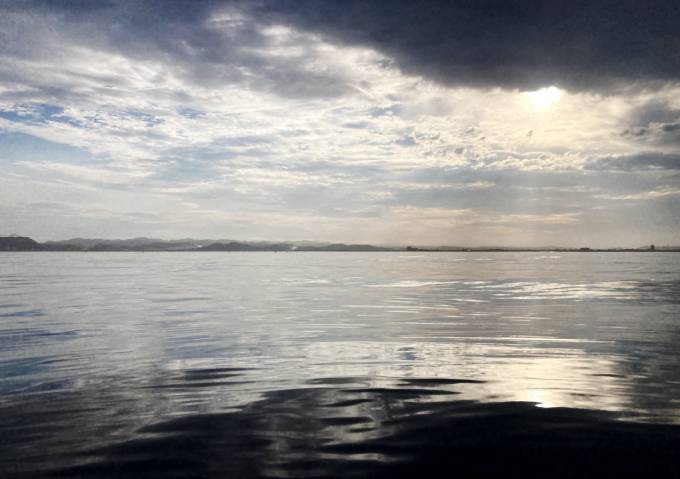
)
(516, 123)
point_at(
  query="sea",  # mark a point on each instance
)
(339, 364)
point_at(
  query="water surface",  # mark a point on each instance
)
(304, 364)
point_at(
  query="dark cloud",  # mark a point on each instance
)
(670, 127)
(654, 122)
(634, 162)
(653, 112)
(516, 44)
(209, 50)
(578, 45)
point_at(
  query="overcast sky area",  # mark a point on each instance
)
(466, 123)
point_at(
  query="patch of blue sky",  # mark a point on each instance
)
(16, 147)
(190, 113)
(406, 141)
(392, 110)
(39, 113)
(147, 118)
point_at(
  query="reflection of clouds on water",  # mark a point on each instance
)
(563, 376)
(111, 342)
(528, 290)
(607, 289)
(411, 284)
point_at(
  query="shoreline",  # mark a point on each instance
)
(201, 250)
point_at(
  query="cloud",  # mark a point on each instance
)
(293, 120)
(636, 162)
(647, 195)
(207, 44)
(655, 122)
(526, 45)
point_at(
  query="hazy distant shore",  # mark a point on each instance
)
(23, 243)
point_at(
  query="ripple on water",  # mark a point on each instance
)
(327, 365)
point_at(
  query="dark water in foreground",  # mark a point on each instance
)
(339, 364)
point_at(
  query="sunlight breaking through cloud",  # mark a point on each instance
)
(235, 108)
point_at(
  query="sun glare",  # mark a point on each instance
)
(544, 97)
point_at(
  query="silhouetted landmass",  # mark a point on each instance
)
(236, 246)
(345, 247)
(133, 244)
(22, 243)
(169, 246)
(19, 243)
(63, 247)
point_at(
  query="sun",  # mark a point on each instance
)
(544, 97)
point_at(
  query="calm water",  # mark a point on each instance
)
(301, 364)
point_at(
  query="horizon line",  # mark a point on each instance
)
(326, 243)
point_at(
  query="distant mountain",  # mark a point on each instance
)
(170, 246)
(22, 243)
(134, 244)
(187, 244)
(236, 246)
(19, 243)
(344, 247)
